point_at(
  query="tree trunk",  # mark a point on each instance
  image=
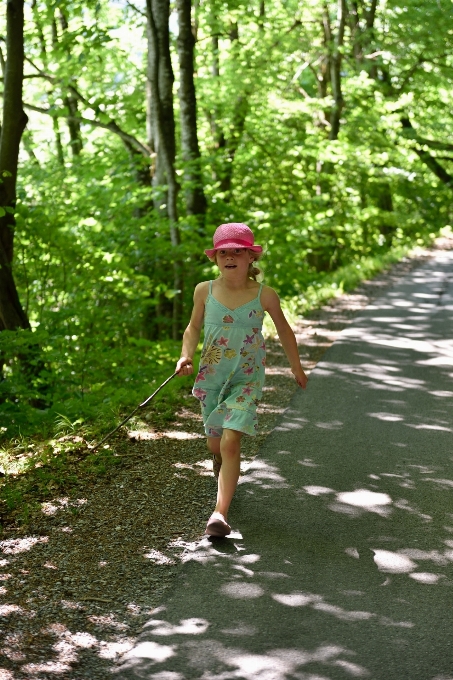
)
(160, 74)
(335, 71)
(70, 102)
(363, 38)
(385, 204)
(194, 194)
(14, 121)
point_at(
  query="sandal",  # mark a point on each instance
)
(217, 526)
(216, 466)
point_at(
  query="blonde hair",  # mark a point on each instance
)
(253, 271)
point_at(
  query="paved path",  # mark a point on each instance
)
(343, 566)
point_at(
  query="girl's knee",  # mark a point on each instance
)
(231, 442)
(233, 436)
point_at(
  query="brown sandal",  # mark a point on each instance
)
(216, 466)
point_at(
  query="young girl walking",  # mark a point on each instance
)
(230, 379)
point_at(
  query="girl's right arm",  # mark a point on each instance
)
(191, 335)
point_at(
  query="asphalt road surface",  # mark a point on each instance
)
(341, 563)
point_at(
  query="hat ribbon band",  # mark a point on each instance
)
(237, 241)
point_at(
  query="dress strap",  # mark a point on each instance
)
(259, 291)
(210, 287)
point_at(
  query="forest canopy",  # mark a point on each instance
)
(141, 126)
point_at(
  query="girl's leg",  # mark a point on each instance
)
(214, 447)
(230, 452)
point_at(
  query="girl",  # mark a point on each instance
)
(231, 374)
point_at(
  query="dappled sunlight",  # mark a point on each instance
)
(61, 645)
(392, 562)
(426, 577)
(201, 467)
(150, 650)
(368, 500)
(143, 435)
(334, 425)
(318, 490)
(218, 661)
(158, 557)
(264, 474)
(241, 590)
(14, 546)
(185, 627)
(61, 504)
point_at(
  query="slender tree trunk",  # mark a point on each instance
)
(217, 132)
(160, 74)
(12, 315)
(369, 37)
(335, 71)
(194, 194)
(75, 133)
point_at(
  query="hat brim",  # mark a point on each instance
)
(225, 246)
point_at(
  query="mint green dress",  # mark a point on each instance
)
(231, 374)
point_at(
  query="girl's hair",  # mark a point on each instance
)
(253, 271)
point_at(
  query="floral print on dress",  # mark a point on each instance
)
(230, 353)
(212, 355)
(199, 393)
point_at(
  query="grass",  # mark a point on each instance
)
(57, 457)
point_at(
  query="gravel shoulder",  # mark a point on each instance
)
(78, 583)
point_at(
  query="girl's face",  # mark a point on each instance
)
(234, 262)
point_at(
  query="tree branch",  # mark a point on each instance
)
(135, 8)
(110, 125)
(411, 133)
(426, 157)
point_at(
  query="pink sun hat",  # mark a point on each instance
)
(233, 235)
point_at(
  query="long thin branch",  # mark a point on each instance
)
(111, 125)
(411, 133)
(135, 8)
(430, 161)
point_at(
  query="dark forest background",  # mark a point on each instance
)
(131, 130)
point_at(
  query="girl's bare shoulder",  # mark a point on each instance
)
(270, 301)
(201, 291)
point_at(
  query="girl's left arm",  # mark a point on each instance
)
(271, 304)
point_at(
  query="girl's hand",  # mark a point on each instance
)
(184, 366)
(300, 377)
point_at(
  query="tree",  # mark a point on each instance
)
(195, 198)
(12, 315)
(161, 78)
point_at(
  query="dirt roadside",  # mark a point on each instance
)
(79, 581)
